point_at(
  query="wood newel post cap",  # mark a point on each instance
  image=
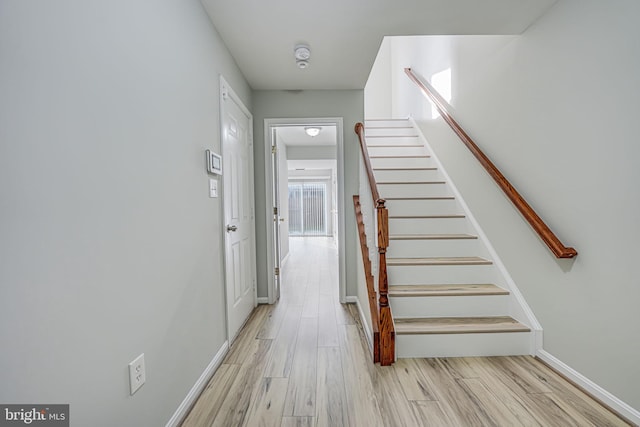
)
(358, 127)
(380, 203)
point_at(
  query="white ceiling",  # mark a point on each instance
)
(295, 135)
(344, 35)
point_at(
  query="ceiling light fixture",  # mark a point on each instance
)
(312, 130)
(302, 54)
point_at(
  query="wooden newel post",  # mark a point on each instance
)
(383, 243)
(387, 333)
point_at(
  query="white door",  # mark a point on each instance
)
(237, 168)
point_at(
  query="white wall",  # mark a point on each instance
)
(556, 109)
(348, 104)
(377, 93)
(109, 244)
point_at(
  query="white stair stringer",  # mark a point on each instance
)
(436, 242)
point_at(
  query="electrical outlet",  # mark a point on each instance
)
(137, 374)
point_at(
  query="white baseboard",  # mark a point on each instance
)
(590, 387)
(197, 388)
(263, 300)
(367, 332)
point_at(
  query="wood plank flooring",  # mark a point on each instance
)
(304, 362)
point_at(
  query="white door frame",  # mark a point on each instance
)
(226, 92)
(277, 218)
(268, 174)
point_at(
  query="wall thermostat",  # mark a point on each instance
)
(214, 163)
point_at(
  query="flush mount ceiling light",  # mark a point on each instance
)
(312, 130)
(302, 54)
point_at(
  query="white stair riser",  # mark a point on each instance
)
(414, 190)
(407, 175)
(422, 207)
(386, 131)
(428, 225)
(436, 248)
(386, 123)
(397, 151)
(454, 306)
(463, 345)
(442, 274)
(409, 162)
(396, 141)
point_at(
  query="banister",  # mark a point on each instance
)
(386, 341)
(368, 273)
(359, 129)
(539, 226)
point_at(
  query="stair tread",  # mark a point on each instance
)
(426, 216)
(387, 127)
(431, 236)
(392, 136)
(445, 290)
(421, 198)
(422, 156)
(458, 325)
(404, 169)
(387, 119)
(394, 146)
(470, 260)
(409, 182)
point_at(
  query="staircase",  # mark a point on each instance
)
(447, 296)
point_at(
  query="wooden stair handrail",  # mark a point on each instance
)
(359, 129)
(386, 346)
(545, 233)
(368, 273)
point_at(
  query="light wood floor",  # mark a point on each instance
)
(303, 362)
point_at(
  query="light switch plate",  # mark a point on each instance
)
(213, 187)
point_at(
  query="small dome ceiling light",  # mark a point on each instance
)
(302, 54)
(312, 130)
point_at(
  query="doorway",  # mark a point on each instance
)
(304, 182)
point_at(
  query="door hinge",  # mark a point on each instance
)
(277, 271)
(274, 149)
(275, 211)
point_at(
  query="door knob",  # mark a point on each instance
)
(281, 219)
(232, 228)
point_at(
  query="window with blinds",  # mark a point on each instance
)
(308, 209)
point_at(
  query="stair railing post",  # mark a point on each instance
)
(387, 352)
(387, 333)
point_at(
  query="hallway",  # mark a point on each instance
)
(304, 362)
